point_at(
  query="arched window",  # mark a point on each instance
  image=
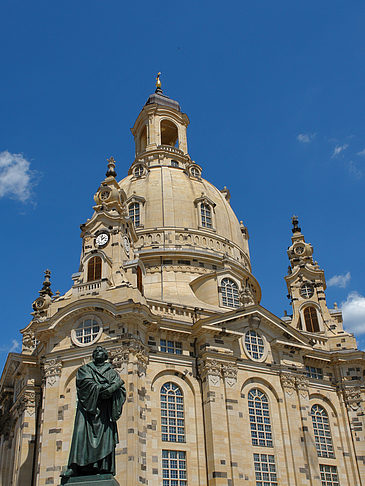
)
(88, 331)
(195, 172)
(206, 215)
(138, 171)
(229, 291)
(134, 213)
(169, 133)
(311, 319)
(322, 432)
(139, 280)
(172, 413)
(258, 410)
(94, 269)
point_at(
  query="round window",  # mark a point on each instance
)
(255, 346)
(87, 332)
(306, 290)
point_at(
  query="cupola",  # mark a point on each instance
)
(161, 124)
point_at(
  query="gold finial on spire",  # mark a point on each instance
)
(158, 83)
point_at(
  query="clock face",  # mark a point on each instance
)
(127, 245)
(102, 239)
(299, 250)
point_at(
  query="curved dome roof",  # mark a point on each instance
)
(172, 199)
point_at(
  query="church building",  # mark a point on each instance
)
(220, 391)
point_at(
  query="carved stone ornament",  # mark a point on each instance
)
(26, 402)
(131, 351)
(288, 383)
(211, 370)
(29, 342)
(352, 396)
(246, 296)
(52, 371)
(302, 383)
(230, 374)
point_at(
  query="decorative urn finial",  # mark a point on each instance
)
(158, 84)
(111, 168)
(295, 223)
(46, 289)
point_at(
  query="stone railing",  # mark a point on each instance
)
(169, 148)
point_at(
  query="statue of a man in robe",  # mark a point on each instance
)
(101, 395)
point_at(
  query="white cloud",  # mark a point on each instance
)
(362, 153)
(306, 137)
(16, 177)
(339, 280)
(353, 311)
(354, 170)
(338, 149)
(10, 348)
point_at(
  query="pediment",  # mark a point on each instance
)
(236, 322)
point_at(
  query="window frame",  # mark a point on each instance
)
(235, 296)
(263, 427)
(324, 439)
(89, 262)
(172, 413)
(79, 322)
(167, 457)
(248, 352)
(312, 309)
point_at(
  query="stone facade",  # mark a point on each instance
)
(219, 390)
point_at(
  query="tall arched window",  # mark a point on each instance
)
(311, 319)
(258, 410)
(169, 133)
(172, 413)
(229, 291)
(94, 269)
(134, 213)
(322, 432)
(206, 215)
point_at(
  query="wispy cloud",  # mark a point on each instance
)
(361, 153)
(338, 149)
(10, 348)
(354, 170)
(17, 180)
(353, 310)
(306, 137)
(339, 280)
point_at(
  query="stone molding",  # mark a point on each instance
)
(131, 351)
(229, 372)
(213, 371)
(52, 371)
(352, 396)
(291, 382)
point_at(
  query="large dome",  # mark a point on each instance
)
(170, 199)
(189, 238)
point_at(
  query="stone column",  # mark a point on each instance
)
(51, 428)
(216, 427)
(131, 360)
(293, 444)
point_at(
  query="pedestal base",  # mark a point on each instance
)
(97, 480)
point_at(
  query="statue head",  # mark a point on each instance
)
(100, 355)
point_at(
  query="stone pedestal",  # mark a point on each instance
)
(97, 480)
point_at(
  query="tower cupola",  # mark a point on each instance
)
(161, 125)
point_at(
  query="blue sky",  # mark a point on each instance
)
(275, 95)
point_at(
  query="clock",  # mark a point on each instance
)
(102, 240)
(299, 250)
(127, 245)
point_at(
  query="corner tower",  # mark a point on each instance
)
(306, 285)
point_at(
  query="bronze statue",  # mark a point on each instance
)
(101, 395)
